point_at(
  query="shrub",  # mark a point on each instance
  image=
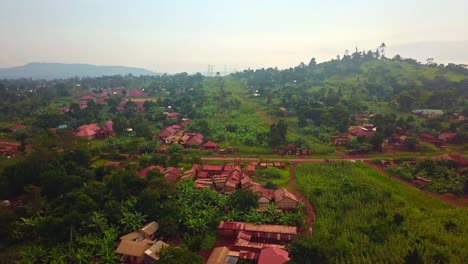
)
(404, 171)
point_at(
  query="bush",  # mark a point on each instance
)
(270, 185)
(404, 171)
(428, 147)
(269, 173)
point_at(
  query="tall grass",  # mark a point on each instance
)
(366, 217)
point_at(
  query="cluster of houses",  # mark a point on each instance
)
(175, 134)
(101, 98)
(264, 244)
(141, 246)
(229, 178)
(11, 148)
(365, 130)
(292, 149)
(93, 130)
(396, 141)
(261, 243)
(172, 174)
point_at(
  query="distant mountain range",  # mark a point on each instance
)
(62, 70)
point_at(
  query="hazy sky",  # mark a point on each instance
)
(175, 35)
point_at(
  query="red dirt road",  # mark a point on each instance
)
(456, 201)
(258, 110)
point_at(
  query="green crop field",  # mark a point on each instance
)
(366, 217)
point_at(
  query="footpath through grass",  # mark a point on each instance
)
(365, 217)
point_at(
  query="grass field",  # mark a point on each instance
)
(366, 217)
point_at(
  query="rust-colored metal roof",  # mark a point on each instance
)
(241, 226)
(150, 228)
(282, 193)
(132, 248)
(273, 256)
(218, 255)
(209, 167)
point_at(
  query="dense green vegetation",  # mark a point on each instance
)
(325, 97)
(446, 176)
(365, 217)
(67, 206)
(71, 210)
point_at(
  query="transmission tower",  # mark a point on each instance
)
(210, 70)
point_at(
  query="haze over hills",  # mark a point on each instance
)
(62, 70)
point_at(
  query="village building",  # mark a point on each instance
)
(341, 140)
(165, 133)
(93, 130)
(87, 131)
(285, 200)
(136, 93)
(140, 246)
(251, 239)
(139, 105)
(430, 139)
(151, 254)
(194, 140)
(172, 174)
(222, 255)
(9, 148)
(210, 145)
(447, 136)
(273, 256)
(189, 174)
(428, 113)
(366, 130)
(212, 169)
(85, 99)
(282, 233)
(133, 252)
(106, 131)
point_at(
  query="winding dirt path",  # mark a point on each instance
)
(257, 109)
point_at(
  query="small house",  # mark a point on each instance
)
(133, 252)
(87, 131)
(213, 169)
(106, 131)
(447, 136)
(209, 145)
(151, 254)
(220, 255)
(285, 200)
